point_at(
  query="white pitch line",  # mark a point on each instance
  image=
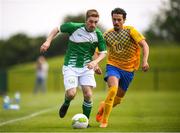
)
(27, 117)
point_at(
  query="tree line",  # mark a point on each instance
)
(21, 48)
(165, 25)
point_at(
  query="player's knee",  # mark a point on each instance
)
(87, 96)
(71, 94)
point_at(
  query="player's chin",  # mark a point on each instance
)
(91, 29)
(116, 28)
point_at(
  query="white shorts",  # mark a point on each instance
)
(74, 77)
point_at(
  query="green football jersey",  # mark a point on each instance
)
(81, 44)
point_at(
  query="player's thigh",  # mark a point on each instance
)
(70, 78)
(112, 76)
(87, 80)
(126, 79)
(70, 82)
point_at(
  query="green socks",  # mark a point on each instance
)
(87, 106)
(66, 101)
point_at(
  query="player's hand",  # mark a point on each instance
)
(91, 65)
(97, 70)
(145, 66)
(44, 47)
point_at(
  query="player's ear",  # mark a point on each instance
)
(124, 20)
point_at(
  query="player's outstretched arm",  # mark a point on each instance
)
(97, 69)
(50, 37)
(145, 47)
(93, 64)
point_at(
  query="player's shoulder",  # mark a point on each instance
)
(71, 25)
(98, 30)
(109, 31)
(128, 27)
(77, 24)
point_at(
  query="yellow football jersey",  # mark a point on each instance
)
(123, 48)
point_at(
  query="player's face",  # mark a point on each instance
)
(118, 21)
(91, 23)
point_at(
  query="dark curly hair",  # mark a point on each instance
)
(119, 11)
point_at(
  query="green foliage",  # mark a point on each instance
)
(58, 46)
(165, 25)
(18, 49)
(78, 19)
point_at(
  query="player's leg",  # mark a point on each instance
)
(113, 87)
(124, 81)
(70, 83)
(87, 103)
(69, 95)
(119, 96)
(100, 111)
(126, 78)
(87, 82)
(117, 100)
(112, 77)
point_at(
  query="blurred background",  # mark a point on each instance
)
(24, 26)
(152, 102)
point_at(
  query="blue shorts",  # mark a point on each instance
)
(124, 77)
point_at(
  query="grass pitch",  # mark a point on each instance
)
(141, 111)
(145, 109)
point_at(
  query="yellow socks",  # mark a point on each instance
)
(117, 100)
(109, 103)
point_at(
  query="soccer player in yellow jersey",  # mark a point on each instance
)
(123, 44)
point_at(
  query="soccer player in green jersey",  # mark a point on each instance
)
(79, 66)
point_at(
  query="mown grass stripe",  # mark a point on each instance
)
(28, 116)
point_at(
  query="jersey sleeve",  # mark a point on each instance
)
(136, 35)
(101, 42)
(70, 27)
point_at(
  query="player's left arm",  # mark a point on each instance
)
(97, 69)
(145, 47)
(102, 51)
(94, 63)
(140, 39)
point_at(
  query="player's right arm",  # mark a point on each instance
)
(145, 47)
(49, 39)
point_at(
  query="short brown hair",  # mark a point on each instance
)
(92, 13)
